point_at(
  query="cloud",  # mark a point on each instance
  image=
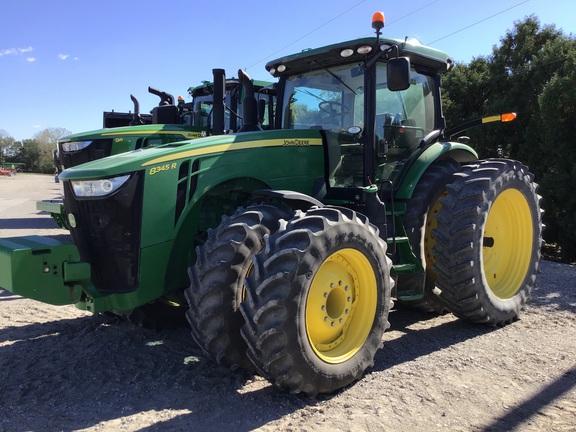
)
(15, 51)
(63, 56)
(31, 59)
(10, 51)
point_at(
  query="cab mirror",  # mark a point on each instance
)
(398, 73)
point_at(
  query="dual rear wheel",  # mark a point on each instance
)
(477, 230)
(487, 241)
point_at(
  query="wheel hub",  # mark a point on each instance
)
(340, 305)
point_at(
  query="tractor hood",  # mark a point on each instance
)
(145, 158)
(187, 132)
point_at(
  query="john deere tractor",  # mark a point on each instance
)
(168, 122)
(288, 245)
(172, 120)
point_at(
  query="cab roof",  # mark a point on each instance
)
(331, 55)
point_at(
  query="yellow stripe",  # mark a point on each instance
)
(162, 132)
(229, 147)
(491, 119)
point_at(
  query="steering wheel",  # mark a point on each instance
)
(329, 107)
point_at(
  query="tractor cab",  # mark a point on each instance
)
(374, 101)
(202, 105)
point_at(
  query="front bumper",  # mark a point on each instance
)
(43, 269)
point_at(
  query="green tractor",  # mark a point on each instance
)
(288, 245)
(168, 122)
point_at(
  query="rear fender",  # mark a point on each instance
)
(437, 151)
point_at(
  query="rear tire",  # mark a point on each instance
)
(317, 303)
(488, 241)
(420, 222)
(217, 281)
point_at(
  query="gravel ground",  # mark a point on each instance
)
(64, 369)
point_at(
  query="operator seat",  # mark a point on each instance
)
(401, 136)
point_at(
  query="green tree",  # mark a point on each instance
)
(7, 146)
(465, 91)
(517, 77)
(509, 80)
(37, 153)
(31, 155)
(47, 141)
(557, 151)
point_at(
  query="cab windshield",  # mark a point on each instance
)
(333, 100)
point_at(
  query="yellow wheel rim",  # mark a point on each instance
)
(341, 305)
(507, 244)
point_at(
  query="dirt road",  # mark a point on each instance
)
(64, 369)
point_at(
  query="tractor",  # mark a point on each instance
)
(168, 122)
(287, 246)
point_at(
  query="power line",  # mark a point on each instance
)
(407, 15)
(477, 22)
(387, 25)
(308, 34)
(333, 19)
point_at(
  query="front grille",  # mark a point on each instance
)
(99, 149)
(107, 234)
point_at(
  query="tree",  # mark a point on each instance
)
(31, 155)
(509, 80)
(465, 92)
(37, 153)
(42, 147)
(518, 74)
(7, 146)
(557, 127)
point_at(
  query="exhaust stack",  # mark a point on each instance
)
(218, 108)
(249, 104)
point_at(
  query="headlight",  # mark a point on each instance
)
(98, 188)
(75, 146)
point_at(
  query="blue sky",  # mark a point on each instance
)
(64, 62)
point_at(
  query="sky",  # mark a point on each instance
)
(64, 62)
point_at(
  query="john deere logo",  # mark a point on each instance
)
(296, 143)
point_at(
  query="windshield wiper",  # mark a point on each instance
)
(309, 93)
(335, 77)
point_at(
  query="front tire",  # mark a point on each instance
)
(488, 241)
(317, 303)
(217, 281)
